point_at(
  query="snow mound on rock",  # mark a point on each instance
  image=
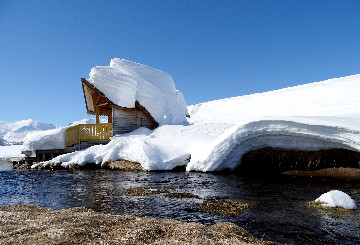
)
(336, 198)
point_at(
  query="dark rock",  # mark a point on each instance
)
(270, 161)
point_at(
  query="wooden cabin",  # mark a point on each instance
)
(120, 120)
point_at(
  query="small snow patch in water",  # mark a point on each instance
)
(336, 198)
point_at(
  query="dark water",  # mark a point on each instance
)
(278, 210)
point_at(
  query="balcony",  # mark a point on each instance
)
(96, 133)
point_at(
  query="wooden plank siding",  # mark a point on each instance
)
(126, 120)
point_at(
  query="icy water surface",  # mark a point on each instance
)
(278, 210)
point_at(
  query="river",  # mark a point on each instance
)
(278, 211)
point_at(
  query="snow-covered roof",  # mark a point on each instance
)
(125, 82)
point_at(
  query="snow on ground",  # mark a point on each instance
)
(15, 132)
(161, 149)
(124, 82)
(10, 151)
(336, 198)
(226, 151)
(338, 97)
(45, 140)
(315, 116)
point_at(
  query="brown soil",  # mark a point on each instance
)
(124, 165)
(339, 173)
(24, 224)
(227, 207)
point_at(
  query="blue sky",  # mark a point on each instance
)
(212, 49)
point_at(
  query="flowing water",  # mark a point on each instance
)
(278, 211)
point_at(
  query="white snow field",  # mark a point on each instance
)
(12, 135)
(321, 115)
(15, 132)
(10, 151)
(338, 97)
(336, 198)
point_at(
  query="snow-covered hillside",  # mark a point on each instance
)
(334, 97)
(12, 135)
(15, 132)
(321, 115)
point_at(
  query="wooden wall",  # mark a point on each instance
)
(126, 120)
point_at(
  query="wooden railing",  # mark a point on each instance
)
(88, 132)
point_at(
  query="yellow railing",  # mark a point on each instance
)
(88, 132)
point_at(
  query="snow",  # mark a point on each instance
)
(15, 132)
(45, 140)
(161, 149)
(338, 97)
(32, 135)
(124, 82)
(53, 138)
(13, 135)
(336, 198)
(322, 115)
(289, 133)
(88, 121)
(10, 151)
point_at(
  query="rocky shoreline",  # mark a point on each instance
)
(26, 224)
(347, 173)
(337, 173)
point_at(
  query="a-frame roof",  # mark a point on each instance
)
(94, 97)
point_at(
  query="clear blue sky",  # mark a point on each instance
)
(213, 49)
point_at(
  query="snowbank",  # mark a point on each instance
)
(215, 147)
(307, 117)
(45, 140)
(336, 198)
(162, 149)
(124, 82)
(290, 133)
(338, 97)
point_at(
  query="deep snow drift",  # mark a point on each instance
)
(315, 116)
(124, 82)
(336, 97)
